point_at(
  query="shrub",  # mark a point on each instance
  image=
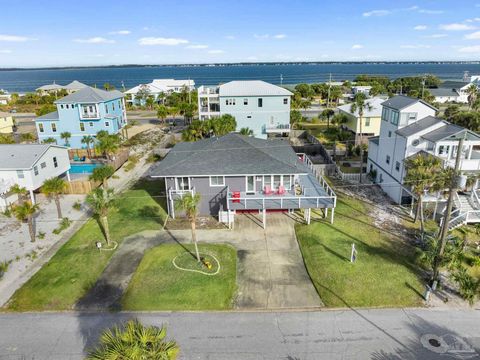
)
(153, 158)
(41, 235)
(468, 286)
(64, 224)
(4, 265)
(77, 205)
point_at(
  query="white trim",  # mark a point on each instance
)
(217, 176)
(254, 184)
(226, 175)
(181, 177)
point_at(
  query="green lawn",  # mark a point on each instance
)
(385, 273)
(77, 265)
(158, 285)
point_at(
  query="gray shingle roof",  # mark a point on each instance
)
(50, 116)
(443, 92)
(90, 95)
(252, 88)
(443, 132)
(400, 102)
(50, 87)
(75, 85)
(419, 125)
(21, 156)
(232, 154)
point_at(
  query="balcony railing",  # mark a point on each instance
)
(277, 128)
(90, 116)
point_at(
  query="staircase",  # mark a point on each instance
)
(467, 212)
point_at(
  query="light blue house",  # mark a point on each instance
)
(82, 113)
(257, 105)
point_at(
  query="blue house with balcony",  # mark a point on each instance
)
(83, 113)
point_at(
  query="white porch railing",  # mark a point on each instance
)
(171, 198)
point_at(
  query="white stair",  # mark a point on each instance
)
(467, 213)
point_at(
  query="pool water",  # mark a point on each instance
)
(83, 168)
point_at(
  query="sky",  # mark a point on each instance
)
(87, 32)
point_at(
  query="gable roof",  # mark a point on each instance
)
(447, 131)
(443, 92)
(375, 111)
(450, 84)
(232, 154)
(75, 85)
(400, 102)
(90, 95)
(50, 116)
(418, 126)
(252, 88)
(22, 156)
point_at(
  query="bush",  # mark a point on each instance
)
(41, 235)
(468, 286)
(77, 205)
(132, 162)
(153, 158)
(4, 265)
(64, 224)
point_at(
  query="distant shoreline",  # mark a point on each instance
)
(241, 64)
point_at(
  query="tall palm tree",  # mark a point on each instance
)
(53, 188)
(173, 110)
(472, 92)
(189, 204)
(246, 131)
(162, 112)
(20, 191)
(88, 140)
(108, 144)
(360, 105)
(327, 114)
(66, 137)
(101, 174)
(135, 342)
(102, 201)
(424, 172)
(26, 212)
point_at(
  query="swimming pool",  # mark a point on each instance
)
(83, 168)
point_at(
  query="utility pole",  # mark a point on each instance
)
(281, 79)
(446, 219)
(189, 92)
(328, 95)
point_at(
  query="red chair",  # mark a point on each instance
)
(267, 190)
(281, 190)
(236, 196)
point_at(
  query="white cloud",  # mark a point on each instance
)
(430, 12)
(14, 38)
(456, 27)
(280, 36)
(216, 52)
(120, 32)
(261, 36)
(435, 36)
(149, 41)
(470, 49)
(420, 27)
(5, 51)
(95, 40)
(230, 37)
(473, 36)
(377, 13)
(357, 46)
(415, 46)
(473, 20)
(198, 46)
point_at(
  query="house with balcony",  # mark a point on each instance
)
(157, 88)
(29, 165)
(236, 173)
(409, 127)
(258, 105)
(84, 112)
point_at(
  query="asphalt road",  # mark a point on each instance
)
(368, 334)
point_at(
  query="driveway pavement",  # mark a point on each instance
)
(388, 334)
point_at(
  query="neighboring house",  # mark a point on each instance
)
(29, 165)
(409, 126)
(236, 173)
(357, 89)
(74, 86)
(158, 87)
(258, 105)
(4, 97)
(85, 112)
(460, 87)
(443, 95)
(370, 122)
(6, 123)
(49, 89)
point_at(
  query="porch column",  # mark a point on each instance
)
(68, 175)
(32, 196)
(264, 218)
(411, 206)
(308, 214)
(470, 152)
(332, 215)
(326, 212)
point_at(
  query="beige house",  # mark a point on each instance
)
(371, 120)
(6, 123)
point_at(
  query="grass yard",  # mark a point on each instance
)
(77, 264)
(158, 285)
(385, 273)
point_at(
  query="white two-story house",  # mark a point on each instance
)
(409, 126)
(257, 105)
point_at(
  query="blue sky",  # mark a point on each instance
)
(87, 32)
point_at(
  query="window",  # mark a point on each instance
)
(367, 121)
(89, 111)
(217, 181)
(20, 174)
(43, 165)
(54, 127)
(107, 123)
(388, 159)
(40, 127)
(106, 109)
(394, 118)
(82, 126)
(55, 163)
(285, 101)
(90, 124)
(397, 166)
(412, 116)
(389, 134)
(183, 183)
(113, 106)
(66, 106)
(443, 149)
(276, 181)
(415, 142)
(61, 106)
(249, 116)
(35, 170)
(119, 104)
(385, 114)
(260, 102)
(287, 182)
(230, 102)
(245, 101)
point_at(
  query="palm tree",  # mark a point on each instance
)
(101, 174)
(173, 110)
(423, 175)
(66, 136)
(87, 140)
(53, 188)
(162, 112)
(49, 140)
(27, 137)
(136, 342)
(20, 191)
(246, 131)
(189, 204)
(327, 114)
(130, 124)
(108, 144)
(472, 92)
(102, 201)
(359, 105)
(26, 212)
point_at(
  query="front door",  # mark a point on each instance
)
(250, 184)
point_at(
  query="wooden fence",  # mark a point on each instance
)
(81, 186)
